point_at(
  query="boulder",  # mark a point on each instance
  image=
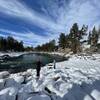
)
(11, 82)
(8, 93)
(39, 97)
(19, 79)
(4, 74)
(2, 82)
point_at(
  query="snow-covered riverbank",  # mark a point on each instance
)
(13, 54)
(17, 54)
(75, 79)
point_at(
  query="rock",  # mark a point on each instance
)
(23, 96)
(11, 82)
(27, 88)
(4, 74)
(8, 93)
(19, 79)
(2, 82)
(28, 79)
(87, 97)
(95, 94)
(5, 57)
(39, 97)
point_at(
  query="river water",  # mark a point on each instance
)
(26, 61)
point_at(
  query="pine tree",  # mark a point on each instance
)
(89, 38)
(10, 44)
(99, 30)
(83, 31)
(95, 36)
(68, 42)
(76, 35)
(74, 32)
(52, 45)
(62, 41)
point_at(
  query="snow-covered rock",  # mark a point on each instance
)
(23, 96)
(95, 94)
(2, 82)
(4, 74)
(27, 88)
(9, 82)
(8, 93)
(17, 78)
(39, 97)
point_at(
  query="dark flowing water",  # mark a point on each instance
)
(26, 61)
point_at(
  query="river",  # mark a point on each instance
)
(26, 61)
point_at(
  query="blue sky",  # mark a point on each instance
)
(38, 21)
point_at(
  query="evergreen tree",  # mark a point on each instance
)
(76, 35)
(50, 46)
(10, 44)
(83, 31)
(3, 44)
(68, 42)
(94, 37)
(62, 40)
(99, 31)
(89, 38)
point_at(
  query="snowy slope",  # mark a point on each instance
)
(75, 79)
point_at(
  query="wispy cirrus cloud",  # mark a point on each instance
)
(28, 37)
(57, 16)
(18, 9)
(67, 12)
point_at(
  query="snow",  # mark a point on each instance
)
(2, 81)
(12, 54)
(8, 93)
(10, 82)
(96, 94)
(75, 79)
(17, 78)
(39, 97)
(4, 74)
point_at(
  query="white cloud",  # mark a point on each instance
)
(17, 9)
(80, 11)
(63, 13)
(29, 37)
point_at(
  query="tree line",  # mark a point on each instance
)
(73, 39)
(10, 44)
(50, 46)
